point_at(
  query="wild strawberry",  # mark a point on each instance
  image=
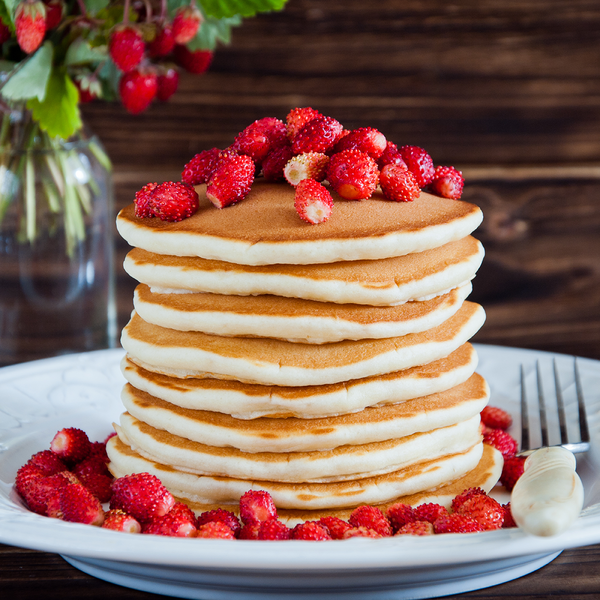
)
(54, 13)
(137, 89)
(197, 61)
(391, 155)
(310, 530)
(77, 504)
(509, 520)
(89, 87)
(400, 514)
(98, 450)
(430, 512)
(92, 465)
(273, 530)
(163, 42)
(309, 165)
(496, 418)
(231, 181)
(143, 207)
(250, 531)
(312, 202)
(274, 163)
(126, 46)
(502, 441)
(100, 485)
(174, 201)
(201, 167)
(419, 163)
(220, 514)
(297, 118)
(5, 33)
(447, 182)
(336, 526)
(254, 142)
(416, 528)
(318, 135)
(366, 139)
(186, 23)
(167, 83)
(30, 24)
(215, 530)
(360, 532)
(26, 476)
(118, 520)
(511, 471)
(370, 517)
(48, 461)
(71, 444)
(141, 495)
(353, 174)
(465, 495)
(274, 129)
(42, 490)
(257, 506)
(398, 184)
(455, 523)
(483, 509)
(180, 521)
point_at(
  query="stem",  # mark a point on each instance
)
(126, 12)
(30, 215)
(100, 155)
(5, 129)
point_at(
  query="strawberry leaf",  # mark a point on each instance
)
(80, 52)
(30, 79)
(58, 114)
(212, 31)
(95, 6)
(246, 8)
(6, 13)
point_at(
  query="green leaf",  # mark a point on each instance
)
(246, 8)
(6, 66)
(10, 6)
(80, 52)
(95, 6)
(31, 79)
(58, 114)
(212, 31)
(6, 13)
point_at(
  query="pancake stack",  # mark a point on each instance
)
(326, 364)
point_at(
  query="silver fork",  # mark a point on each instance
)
(583, 445)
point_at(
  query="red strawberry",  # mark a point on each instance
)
(137, 89)
(273, 530)
(465, 495)
(167, 83)
(366, 139)
(141, 495)
(310, 530)
(100, 485)
(30, 24)
(5, 34)
(297, 118)
(118, 520)
(495, 417)
(186, 24)
(196, 61)
(201, 167)
(312, 202)
(416, 528)
(419, 163)
(48, 461)
(215, 530)
(250, 531)
(275, 162)
(309, 165)
(71, 444)
(360, 532)
(126, 46)
(254, 141)
(98, 450)
(447, 182)
(143, 207)
(89, 87)
(400, 514)
(174, 201)
(455, 523)
(54, 13)
(180, 521)
(318, 135)
(483, 509)
(257, 506)
(41, 491)
(502, 441)
(511, 471)
(27, 475)
(274, 129)
(220, 514)
(336, 526)
(509, 520)
(391, 155)
(430, 512)
(370, 517)
(353, 174)
(77, 504)
(93, 465)
(163, 42)
(231, 181)
(398, 184)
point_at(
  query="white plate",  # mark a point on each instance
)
(39, 398)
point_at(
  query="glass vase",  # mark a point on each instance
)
(56, 243)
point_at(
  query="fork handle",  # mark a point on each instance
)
(548, 497)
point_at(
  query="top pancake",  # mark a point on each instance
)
(264, 228)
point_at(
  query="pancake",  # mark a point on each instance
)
(293, 435)
(292, 319)
(378, 489)
(275, 362)
(383, 282)
(264, 228)
(339, 464)
(250, 401)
